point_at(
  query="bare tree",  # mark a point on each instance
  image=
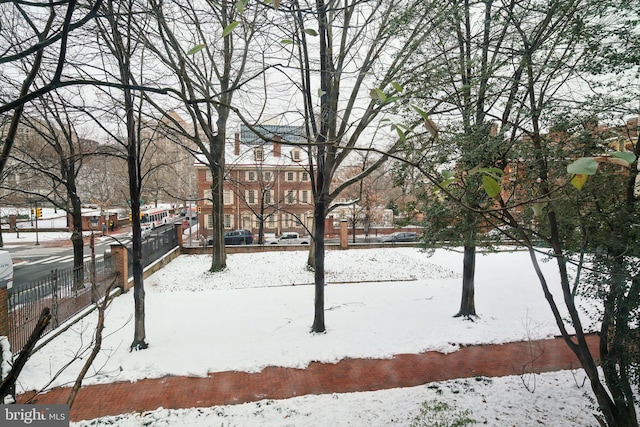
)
(43, 32)
(359, 56)
(209, 70)
(52, 153)
(115, 28)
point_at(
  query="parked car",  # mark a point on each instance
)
(289, 238)
(238, 237)
(399, 236)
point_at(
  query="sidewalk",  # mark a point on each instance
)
(348, 375)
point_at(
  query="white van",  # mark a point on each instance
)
(6, 270)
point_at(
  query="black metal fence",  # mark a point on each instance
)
(66, 292)
(156, 245)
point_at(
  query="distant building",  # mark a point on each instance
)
(267, 182)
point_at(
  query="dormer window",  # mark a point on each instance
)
(258, 154)
(295, 155)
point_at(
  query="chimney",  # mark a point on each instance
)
(236, 147)
(277, 147)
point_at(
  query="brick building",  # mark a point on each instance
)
(267, 182)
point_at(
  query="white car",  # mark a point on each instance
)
(289, 238)
(145, 231)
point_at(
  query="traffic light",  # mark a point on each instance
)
(32, 212)
(199, 209)
(130, 217)
(38, 212)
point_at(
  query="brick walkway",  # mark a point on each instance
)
(348, 375)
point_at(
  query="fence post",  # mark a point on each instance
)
(4, 312)
(179, 231)
(54, 298)
(121, 260)
(344, 236)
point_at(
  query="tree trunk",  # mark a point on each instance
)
(318, 249)
(219, 256)
(77, 240)
(467, 304)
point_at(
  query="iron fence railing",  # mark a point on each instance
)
(65, 292)
(154, 247)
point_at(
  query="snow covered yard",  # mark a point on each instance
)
(379, 302)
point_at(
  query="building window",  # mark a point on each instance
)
(251, 175)
(304, 176)
(271, 221)
(208, 200)
(228, 222)
(258, 154)
(228, 197)
(208, 222)
(290, 198)
(304, 196)
(268, 197)
(295, 155)
(267, 176)
(290, 177)
(207, 176)
(251, 197)
(247, 221)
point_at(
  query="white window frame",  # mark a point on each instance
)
(227, 197)
(207, 197)
(290, 174)
(304, 196)
(290, 197)
(228, 221)
(258, 154)
(251, 197)
(251, 176)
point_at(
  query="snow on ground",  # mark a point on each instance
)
(379, 302)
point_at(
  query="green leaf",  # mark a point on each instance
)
(197, 48)
(422, 113)
(538, 207)
(401, 134)
(583, 166)
(628, 156)
(240, 5)
(311, 32)
(445, 184)
(493, 172)
(579, 180)
(380, 95)
(491, 186)
(287, 41)
(448, 174)
(397, 87)
(321, 93)
(229, 28)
